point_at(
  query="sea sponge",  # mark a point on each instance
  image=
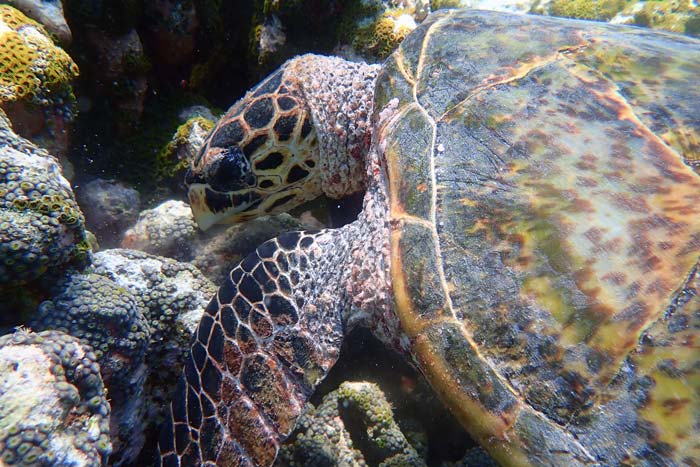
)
(31, 65)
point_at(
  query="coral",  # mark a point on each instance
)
(41, 225)
(352, 426)
(53, 407)
(30, 64)
(109, 207)
(440, 4)
(49, 14)
(106, 317)
(599, 10)
(174, 159)
(167, 230)
(137, 312)
(171, 296)
(375, 34)
(671, 15)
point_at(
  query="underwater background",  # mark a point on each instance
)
(103, 105)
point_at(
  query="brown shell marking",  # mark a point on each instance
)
(552, 225)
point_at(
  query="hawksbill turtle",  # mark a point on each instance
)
(529, 240)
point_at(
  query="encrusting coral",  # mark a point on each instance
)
(41, 225)
(31, 65)
(53, 406)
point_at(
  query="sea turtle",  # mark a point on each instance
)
(529, 240)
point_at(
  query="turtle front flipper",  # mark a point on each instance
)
(267, 338)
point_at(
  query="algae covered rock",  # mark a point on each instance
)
(671, 15)
(53, 407)
(598, 10)
(41, 225)
(352, 427)
(174, 159)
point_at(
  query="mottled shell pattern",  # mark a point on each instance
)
(546, 232)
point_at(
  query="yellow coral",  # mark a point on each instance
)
(30, 63)
(381, 37)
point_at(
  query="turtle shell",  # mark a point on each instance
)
(546, 232)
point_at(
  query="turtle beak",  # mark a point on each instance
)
(211, 207)
(203, 216)
(196, 194)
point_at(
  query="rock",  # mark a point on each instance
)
(217, 252)
(108, 318)
(271, 37)
(41, 225)
(197, 111)
(171, 30)
(175, 158)
(53, 407)
(353, 426)
(35, 81)
(118, 16)
(167, 230)
(49, 13)
(109, 207)
(475, 457)
(119, 73)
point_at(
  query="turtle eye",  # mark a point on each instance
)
(230, 171)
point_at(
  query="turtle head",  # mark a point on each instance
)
(264, 155)
(261, 158)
